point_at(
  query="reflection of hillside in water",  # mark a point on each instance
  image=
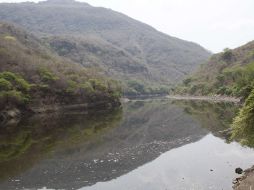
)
(25, 144)
(216, 117)
(73, 155)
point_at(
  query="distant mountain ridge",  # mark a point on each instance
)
(124, 48)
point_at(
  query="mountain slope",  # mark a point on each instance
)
(32, 76)
(228, 73)
(125, 48)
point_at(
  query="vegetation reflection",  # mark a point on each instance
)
(31, 140)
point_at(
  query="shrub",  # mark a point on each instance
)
(47, 76)
(243, 125)
(136, 86)
(8, 76)
(5, 85)
(193, 89)
(187, 81)
(98, 85)
(15, 80)
(87, 87)
(13, 89)
(227, 55)
(72, 86)
(14, 97)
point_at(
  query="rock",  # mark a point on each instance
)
(239, 170)
(13, 113)
(9, 116)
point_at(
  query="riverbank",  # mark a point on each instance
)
(245, 182)
(179, 97)
(206, 98)
(12, 114)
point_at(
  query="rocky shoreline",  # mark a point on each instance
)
(246, 181)
(207, 98)
(182, 97)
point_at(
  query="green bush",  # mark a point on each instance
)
(8, 76)
(15, 80)
(5, 85)
(13, 89)
(87, 87)
(22, 85)
(14, 97)
(136, 86)
(72, 86)
(243, 125)
(187, 81)
(47, 76)
(98, 85)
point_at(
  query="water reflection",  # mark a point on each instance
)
(75, 151)
(208, 164)
(31, 141)
(216, 117)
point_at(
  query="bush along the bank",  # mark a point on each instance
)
(137, 88)
(14, 90)
(48, 89)
(243, 125)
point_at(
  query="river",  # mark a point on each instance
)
(149, 144)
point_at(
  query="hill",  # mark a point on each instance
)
(144, 59)
(228, 73)
(31, 76)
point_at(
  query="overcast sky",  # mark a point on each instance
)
(214, 24)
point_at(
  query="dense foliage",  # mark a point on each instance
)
(243, 126)
(228, 73)
(135, 88)
(14, 90)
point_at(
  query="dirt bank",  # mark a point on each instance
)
(245, 182)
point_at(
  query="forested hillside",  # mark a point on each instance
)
(228, 73)
(32, 76)
(145, 60)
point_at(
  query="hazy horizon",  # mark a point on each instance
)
(214, 25)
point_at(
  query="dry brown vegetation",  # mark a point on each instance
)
(48, 78)
(123, 48)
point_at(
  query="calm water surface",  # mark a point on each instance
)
(152, 144)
